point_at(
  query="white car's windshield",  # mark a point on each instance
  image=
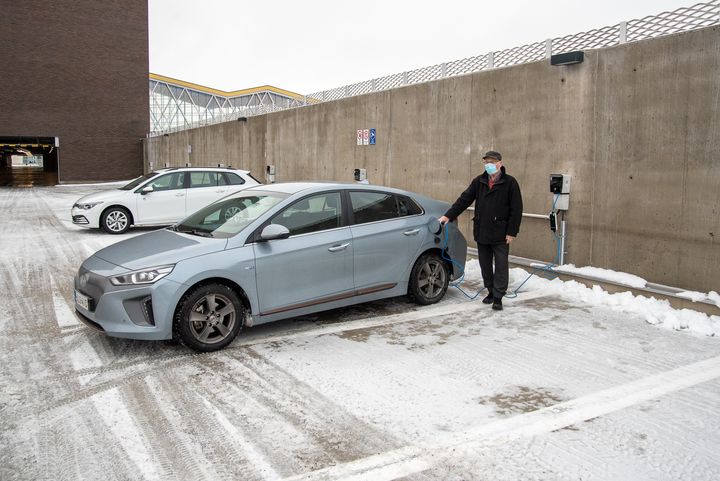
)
(226, 217)
(139, 181)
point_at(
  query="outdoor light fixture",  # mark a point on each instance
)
(242, 119)
(568, 58)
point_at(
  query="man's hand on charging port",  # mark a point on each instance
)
(509, 239)
(444, 220)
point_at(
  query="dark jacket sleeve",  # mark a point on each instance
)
(464, 201)
(516, 209)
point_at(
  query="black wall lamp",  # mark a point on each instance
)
(568, 58)
(242, 119)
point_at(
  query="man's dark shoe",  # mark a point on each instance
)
(497, 304)
(488, 299)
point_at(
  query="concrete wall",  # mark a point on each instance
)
(78, 71)
(635, 125)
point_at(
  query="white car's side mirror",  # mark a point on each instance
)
(147, 189)
(274, 231)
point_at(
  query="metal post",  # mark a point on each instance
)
(405, 78)
(374, 85)
(622, 32)
(548, 48)
(443, 71)
(563, 234)
(491, 59)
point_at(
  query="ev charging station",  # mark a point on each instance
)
(560, 189)
(270, 174)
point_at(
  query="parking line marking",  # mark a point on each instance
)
(64, 316)
(413, 459)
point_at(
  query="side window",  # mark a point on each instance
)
(312, 214)
(172, 181)
(374, 206)
(407, 206)
(203, 179)
(233, 179)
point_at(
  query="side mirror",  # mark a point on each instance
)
(274, 231)
(147, 189)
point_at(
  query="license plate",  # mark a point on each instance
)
(82, 300)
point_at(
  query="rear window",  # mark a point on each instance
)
(234, 179)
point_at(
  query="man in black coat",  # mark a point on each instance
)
(498, 213)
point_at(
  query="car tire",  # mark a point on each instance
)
(115, 220)
(429, 279)
(208, 317)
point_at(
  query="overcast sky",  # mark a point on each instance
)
(313, 45)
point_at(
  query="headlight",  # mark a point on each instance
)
(143, 276)
(87, 206)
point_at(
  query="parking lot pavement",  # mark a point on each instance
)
(549, 388)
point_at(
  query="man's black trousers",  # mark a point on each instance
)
(495, 282)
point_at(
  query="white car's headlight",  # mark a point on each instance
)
(143, 276)
(87, 205)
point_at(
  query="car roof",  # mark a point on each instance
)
(213, 169)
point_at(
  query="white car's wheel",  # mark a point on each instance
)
(115, 220)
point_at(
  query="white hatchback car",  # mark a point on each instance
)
(159, 198)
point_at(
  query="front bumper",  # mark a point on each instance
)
(86, 217)
(133, 312)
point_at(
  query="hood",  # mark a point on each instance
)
(102, 196)
(158, 248)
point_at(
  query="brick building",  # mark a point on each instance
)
(74, 89)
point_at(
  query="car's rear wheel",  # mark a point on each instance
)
(429, 279)
(115, 220)
(208, 317)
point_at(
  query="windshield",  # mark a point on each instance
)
(139, 181)
(228, 216)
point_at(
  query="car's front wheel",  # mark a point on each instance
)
(208, 317)
(429, 279)
(115, 220)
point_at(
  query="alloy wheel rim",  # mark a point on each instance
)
(212, 318)
(431, 279)
(231, 211)
(116, 221)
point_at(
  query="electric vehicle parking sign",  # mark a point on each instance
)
(372, 136)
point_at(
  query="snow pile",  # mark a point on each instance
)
(603, 274)
(695, 296)
(655, 311)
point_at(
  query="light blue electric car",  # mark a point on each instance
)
(266, 253)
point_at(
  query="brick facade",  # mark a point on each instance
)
(78, 71)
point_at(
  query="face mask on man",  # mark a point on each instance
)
(491, 168)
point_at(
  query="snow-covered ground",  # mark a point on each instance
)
(568, 382)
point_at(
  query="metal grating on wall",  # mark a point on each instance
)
(171, 110)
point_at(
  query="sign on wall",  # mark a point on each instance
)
(366, 137)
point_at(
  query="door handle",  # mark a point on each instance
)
(338, 248)
(411, 232)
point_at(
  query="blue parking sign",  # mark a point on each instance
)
(372, 136)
